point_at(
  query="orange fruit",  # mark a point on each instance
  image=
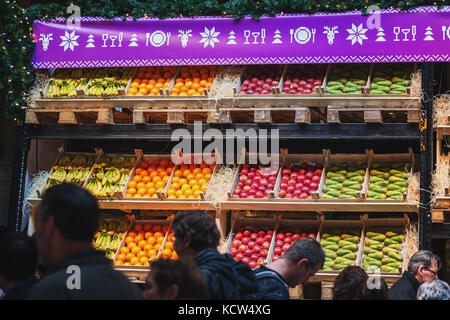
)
(166, 253)
(208, 176)
(142, 191)
(143, 260)
(129, 256)
(138, 238)
(134, 261)
(152, 252)
(121, 257)
(132, 184)
(148, 235)
(158, 234)
(142, 244)
(150, 185)
(142, 254)
(135, 250)
(119, 262)
(156, 179)
(137, 178)
(186, 172)
(169, 245)
(157, 246)
(124, 250)
(151, 240)
(204, 187)
(155, 91)
(188, 192)
(128, 240)
(174, 255)
(151, 191)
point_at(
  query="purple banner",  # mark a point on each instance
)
(422, 34)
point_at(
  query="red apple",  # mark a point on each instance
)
(252, 264)
(285, 247)
(261, 233)
(263, 253)
(266, 245)
(256, 248)
(260, 260)
(233, 251)
(279, 243)
(275, 258)
(235, 243)
(311, 235)
(248, 252)
(239, 256)
(245, 260)
(243, 177)
(242, 248)
(268, 237)
(246, 233)
(259, 241)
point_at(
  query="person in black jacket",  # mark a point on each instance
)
(422, 267)
(300, 262)
(65, 223)
(18, 265)
(197, 236)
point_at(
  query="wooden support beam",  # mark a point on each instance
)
(67, 117)
(175, 117)
(413, 116)
(31, 117)
(263, 116)
(333, 115)
(105, 116)
(373, 116)
(224, 117)
(138, 117)
(302, 115)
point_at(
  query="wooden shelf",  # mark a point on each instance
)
(263, 205)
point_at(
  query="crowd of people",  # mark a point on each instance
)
(58, 262)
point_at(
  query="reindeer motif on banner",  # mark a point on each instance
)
(184, 35)
(330, 33)
(45, 38)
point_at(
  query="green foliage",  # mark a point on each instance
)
(16, 24)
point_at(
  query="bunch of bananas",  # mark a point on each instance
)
(108, 82)
(67, 82)
(69, 170)
(109, 236)
(110, 175)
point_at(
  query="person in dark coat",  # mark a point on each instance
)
(18, 265)
(65, 223)
(422, 267)
(300, 262)
(196, 235)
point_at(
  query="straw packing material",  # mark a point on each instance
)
(410, 243)
(222, 248)
(416, 84)
(441, 110)
(224, 84)
(440, 178)
(413, 195)
(220, 184)
(40, 83)
(38, 183)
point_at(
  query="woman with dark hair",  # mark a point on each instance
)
(349, 283)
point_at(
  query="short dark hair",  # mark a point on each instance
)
(18, 256)
(74, 209)
(349, 282)
(199, 227)
(307, 248)
(182, 272)
(380, 293)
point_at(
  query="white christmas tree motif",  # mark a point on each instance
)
(209, 37)
(133, 41)
(357, 34)
(277, 37)
(429, 34)
(380, 35)
(231, 38)
(45, 38)
(69, 41)
(90, 41)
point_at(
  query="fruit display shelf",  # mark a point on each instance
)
(346, 79)
(67, 83)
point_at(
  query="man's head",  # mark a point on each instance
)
(67, 217)
(194, 231)
(305, 257)
(424, 265)
(349, 283)
(175, 280)
(434, 290)
(18, 258)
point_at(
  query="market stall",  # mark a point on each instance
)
(350, 163)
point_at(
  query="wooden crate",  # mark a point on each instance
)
(138, 273)
(299, 158)
(383, 225)
(247, 69)
(300, 224)
(376, 66)
(80, 92)
(331, 69)
(254, 223)
(407, 158)
(331, 159)
(317, 90)
(356, 225)
(245, 159)
(61, 152)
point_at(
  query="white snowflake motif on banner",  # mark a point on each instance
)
(357, 34)
(69, 41)
(209, 37)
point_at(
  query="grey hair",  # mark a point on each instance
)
(422, 258)
(307, 248)
(434, 290)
